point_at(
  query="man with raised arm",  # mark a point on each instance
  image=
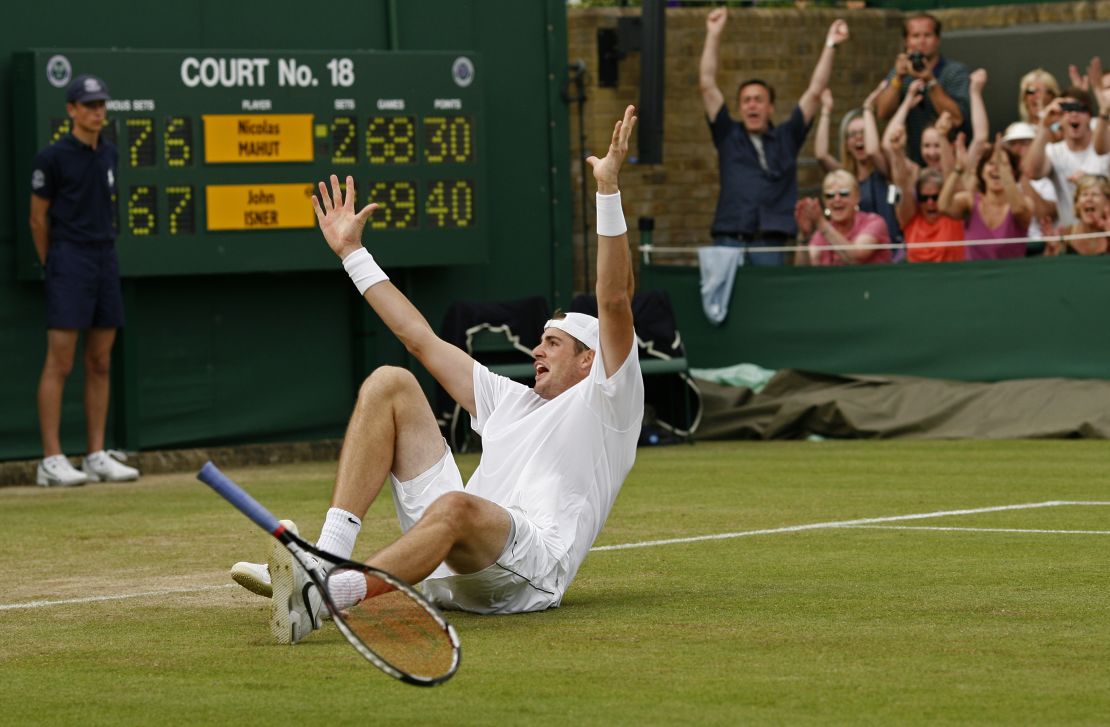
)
(757, 159)
(554, 455)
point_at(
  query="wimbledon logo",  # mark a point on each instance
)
(58, 71)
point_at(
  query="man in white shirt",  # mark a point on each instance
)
(1065, 161)
(554, 455)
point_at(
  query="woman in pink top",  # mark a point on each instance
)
(996, 210)
(841, 225)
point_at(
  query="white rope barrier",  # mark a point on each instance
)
(647, 250)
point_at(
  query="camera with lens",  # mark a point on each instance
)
(917, 61)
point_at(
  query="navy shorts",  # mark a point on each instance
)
(82, 286)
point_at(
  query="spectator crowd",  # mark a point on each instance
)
(917, 177)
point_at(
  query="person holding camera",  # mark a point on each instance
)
(945, 82)
(1066, 161)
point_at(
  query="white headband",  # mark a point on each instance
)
(579, 325)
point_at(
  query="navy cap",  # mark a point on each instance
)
(86, 88)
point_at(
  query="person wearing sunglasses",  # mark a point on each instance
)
(922, 222)
(861, 156)
(839, 233)
(996, 210)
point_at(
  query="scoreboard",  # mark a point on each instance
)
(220, 152)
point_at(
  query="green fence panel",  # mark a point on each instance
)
(980, 321)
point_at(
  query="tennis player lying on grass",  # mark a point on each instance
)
(554, 455)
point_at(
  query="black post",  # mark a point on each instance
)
(652, 54)
(577, 71)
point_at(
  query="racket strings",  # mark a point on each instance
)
(401, 631)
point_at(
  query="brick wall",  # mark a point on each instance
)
(779, 45)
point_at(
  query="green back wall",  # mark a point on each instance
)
(278, 356)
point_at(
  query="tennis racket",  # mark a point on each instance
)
(399, 631)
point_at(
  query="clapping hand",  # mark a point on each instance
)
(807, 213)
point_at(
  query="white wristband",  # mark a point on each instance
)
(610, 215)
(363, 270)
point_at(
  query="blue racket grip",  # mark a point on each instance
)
(210, 475)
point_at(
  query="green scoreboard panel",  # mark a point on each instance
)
(220, 152)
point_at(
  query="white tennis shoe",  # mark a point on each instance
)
(255, 577)
(56, 471)
(295, 603)
(104, 467)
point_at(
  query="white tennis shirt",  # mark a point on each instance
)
(562, 461)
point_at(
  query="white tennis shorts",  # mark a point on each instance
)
(526, 576)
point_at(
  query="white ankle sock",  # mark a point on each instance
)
(339, 533)
(347, 588)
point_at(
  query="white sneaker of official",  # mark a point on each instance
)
(104, 467)
(56, 471)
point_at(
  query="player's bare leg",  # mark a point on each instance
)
(392, 429)
(466, 531)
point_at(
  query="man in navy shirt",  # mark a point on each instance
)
(758, 160)
(71, 224)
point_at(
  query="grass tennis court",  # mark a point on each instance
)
(996, 616)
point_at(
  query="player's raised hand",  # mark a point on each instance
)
(341, 225)
(606, 170)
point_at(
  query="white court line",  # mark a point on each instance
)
(842, 524)
(120, 597)
(976, 530)
(627, 546)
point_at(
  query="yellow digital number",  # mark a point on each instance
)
(142, 216)
(344, 129)
(435, 146)
(448, 139)
(140, 142)
(391, 140)
(461, 197)
(397, 205)
(182, 212)
(450, 203)
(402, 132)
(178, 141)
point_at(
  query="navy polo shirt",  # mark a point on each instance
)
(754, 200)
(79, 181)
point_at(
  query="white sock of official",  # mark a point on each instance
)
(347, 588)
(339, 533)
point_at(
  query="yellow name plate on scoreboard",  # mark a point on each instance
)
(259, 206)
(250, 138)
